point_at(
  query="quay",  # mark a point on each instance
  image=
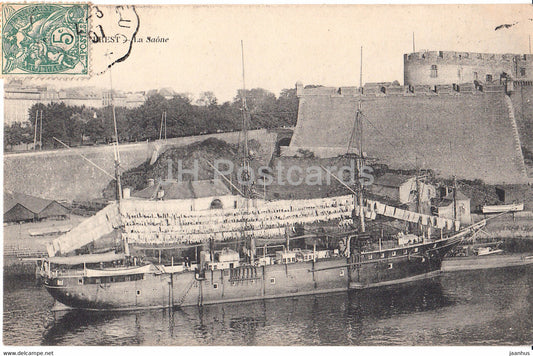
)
(453, 264)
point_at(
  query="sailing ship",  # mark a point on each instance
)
(269, 259)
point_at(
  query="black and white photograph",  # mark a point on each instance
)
(267, 175)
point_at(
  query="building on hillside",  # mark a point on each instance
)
(195, 195)
(19, 98)
(445, 208)
(19, 207)
(134, 99)
(511, 194)
(405, 190)
(87, 96)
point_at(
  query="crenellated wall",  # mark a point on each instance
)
(445, 67)
(462, 130)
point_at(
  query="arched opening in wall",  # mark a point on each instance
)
(488, 78)
(283, 143)
(216, 204)
(434, 72)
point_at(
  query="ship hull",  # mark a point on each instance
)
(164, 290)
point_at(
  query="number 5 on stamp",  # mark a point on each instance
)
(45, 39)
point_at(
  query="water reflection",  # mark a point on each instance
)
(342, 318)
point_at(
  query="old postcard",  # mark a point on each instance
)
(267, 175)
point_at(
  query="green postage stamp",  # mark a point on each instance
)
(45, 39)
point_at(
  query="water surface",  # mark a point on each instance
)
(488, 307)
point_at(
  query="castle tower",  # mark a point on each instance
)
(444, 67)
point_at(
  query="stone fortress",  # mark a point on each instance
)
(458, 113)
(442, 67)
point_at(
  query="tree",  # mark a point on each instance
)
(16, 134)
(207, 98)
(287, 105)
(71, 124)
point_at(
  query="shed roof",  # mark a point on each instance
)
(448, 199)
(392, 180)
(458, 196)
(34, 204)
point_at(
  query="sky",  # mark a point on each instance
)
(313, 44)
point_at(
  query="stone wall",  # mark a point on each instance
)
(465, 133)
(522, 98)
(65, 175)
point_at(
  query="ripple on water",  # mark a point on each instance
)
(464, 308)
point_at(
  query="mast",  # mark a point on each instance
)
(245, 157)
(163, 126)
(360, 158)
(117, 162)
(357, 134)
(454, 198)
(35, 135)
(115, 146)
(41, 133)
(244, 114)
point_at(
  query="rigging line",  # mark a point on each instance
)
(340, 181)
(390, 143)
(223, 176)
(85, 158)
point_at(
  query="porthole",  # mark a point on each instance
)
(272, 280)
(390, 266)
(80, 281)
(215, 285)
(341, 273)
(138, 292)
(393, 253)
